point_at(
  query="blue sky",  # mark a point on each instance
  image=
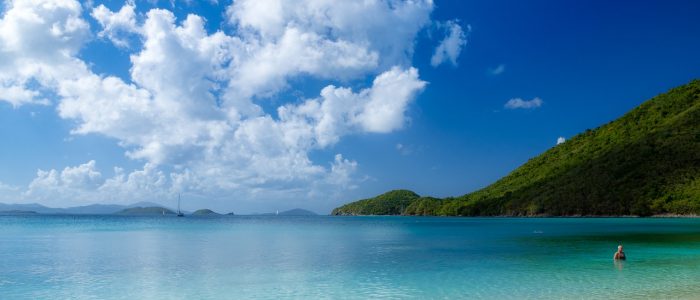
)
(203, 120)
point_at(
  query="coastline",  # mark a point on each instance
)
(543, 216)
(657, 216)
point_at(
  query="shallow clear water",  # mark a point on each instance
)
(115, 257)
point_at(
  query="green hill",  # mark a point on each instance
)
(142, 211)
(205, 212)
(646, 162)
(390, 203)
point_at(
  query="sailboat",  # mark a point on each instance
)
(179, 213)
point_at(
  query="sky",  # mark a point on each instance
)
(263, 105)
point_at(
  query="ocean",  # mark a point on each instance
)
(323, 257)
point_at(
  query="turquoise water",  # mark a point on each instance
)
(113, 257)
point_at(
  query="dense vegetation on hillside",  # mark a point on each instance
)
(646, 162)
(390, 203)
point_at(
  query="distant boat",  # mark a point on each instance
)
(277, 213)
(179, 213)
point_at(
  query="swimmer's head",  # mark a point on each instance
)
(619, 248)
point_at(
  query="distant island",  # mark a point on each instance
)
(142, 211)
(645, 163)
(205, 212)
(92, 209)
(136, 209)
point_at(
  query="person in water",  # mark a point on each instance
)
(619, 254)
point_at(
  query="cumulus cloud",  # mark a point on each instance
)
(191, 110)
(70, 182)
(385, 27)
(451, 46)
(116, 26)
(147, 183)
(517, 103)
(561, 140)
(341, 172)
(85, 183)
(339, 111)
(38, 44)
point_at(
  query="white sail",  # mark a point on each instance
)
(179, 212)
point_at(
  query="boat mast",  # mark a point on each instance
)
(178, 204)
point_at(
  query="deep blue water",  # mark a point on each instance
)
(240, 257)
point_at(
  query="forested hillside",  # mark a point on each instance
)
(646, 162)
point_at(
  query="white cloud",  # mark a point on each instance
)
(38, 44)
(339, 111)
(80, 176)
(561, 140)
(498, 70)
(85, 184)
(145, 184)
(320, 38)
(516, 103)
(7, 187)
(451, 46)
(116, 26)
(295, 53)
(388, 100)
(17, 94)
(71, 182)
(385, 27)
(342, 171)
(191, 111)
(9, 193)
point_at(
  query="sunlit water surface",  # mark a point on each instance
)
(115, 257)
